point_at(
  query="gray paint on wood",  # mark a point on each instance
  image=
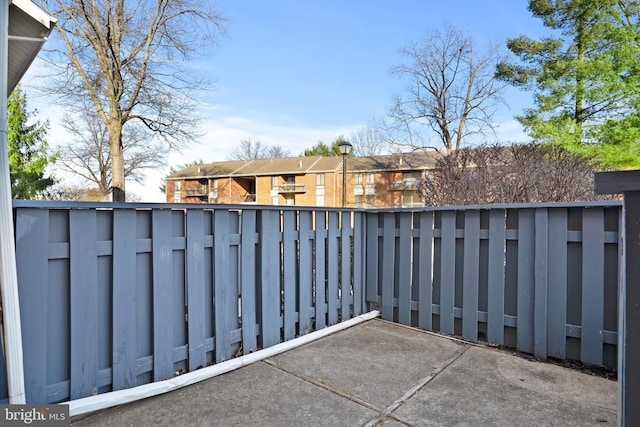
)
(592, 285)
(162, 291)
(371, 256)
(320, 269)
(557, 284)
(358, 263)
(526, 278)
(224, 298)
(404, 271)
(305, 280)
(388, 248)
(83, 303)
(32, 237)
(124, 299)
(196, 289)
(470, 275)
(496, 275)
(345, 266)
(270, 278)
(447, 271)
(332, 269)
(248, 281)
(540, 287)
(290, 259)
(425, 265)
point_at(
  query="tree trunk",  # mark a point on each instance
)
(117, 164)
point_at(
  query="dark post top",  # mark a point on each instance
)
(617, 182)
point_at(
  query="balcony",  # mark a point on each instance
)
(291, 188)
(196, 192)
(404, 185)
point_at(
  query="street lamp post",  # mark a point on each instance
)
(345, 149)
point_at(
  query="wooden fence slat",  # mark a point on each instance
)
(124, 299)
(591, 345)
(404, 272)
(471, 274)
(557, 284)
(305, 281)
(320, 262)
(388, 250)
(290, 259)
(526, 279)
(332, 269)
(447, 271)
(84, 303)
(32, 247)
(270, 278)
(495, 301)
(224, 297)
(248, 280)
(358, 264)
(196, 289)
(345, 267)
(372, 247)
(541, 282)
(162, 291)
(425, 261)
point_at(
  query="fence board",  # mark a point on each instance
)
(124, 299)
(305, 281)
(447, 271)
(290, 259)
(332, 269)
(526, 279)
(372, 247)
(404, 272)
(358, 264)
(496, 274)
(471, 274)
(196, 289)
(83, 303)
(540, 286)
(224, 297)
(345, 267)
(388, 250)
(592, 285)
(425, 263)
(32, 246)
(557, 284)
(248, 283)
(320, 243)
(270, 278)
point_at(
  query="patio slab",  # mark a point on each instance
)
(380, 373)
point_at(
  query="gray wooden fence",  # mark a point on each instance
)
(115, 296)
(112, 298)
(539, 278)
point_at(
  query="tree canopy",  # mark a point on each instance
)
(28, 149)
(585, 77)
(128, 61)
(323, 149)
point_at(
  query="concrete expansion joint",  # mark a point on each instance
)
(387, 413)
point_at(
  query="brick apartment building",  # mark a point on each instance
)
(374, 182)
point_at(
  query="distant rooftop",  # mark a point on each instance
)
(309, 164)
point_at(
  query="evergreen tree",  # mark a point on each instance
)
(586, 78)
(28, 147)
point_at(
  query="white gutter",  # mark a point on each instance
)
(8, 276)
(107, 400)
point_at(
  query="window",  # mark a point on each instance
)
(177, 191)
(369, 201)
(289, 200)
(274, 182)
(320, 180)
(358, 178)
(319, 199)
(358, 200)
(371, 178)
(274, 200)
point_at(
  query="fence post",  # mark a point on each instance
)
(628, 183)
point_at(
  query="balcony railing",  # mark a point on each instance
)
(291, 188)
(403, 185)
(196, 192)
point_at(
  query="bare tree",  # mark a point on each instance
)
(509, 174)
(451, 90)
(368, 141)
(250, 149)
(129, 59)
(87, 155)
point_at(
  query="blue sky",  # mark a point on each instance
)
(292, 72)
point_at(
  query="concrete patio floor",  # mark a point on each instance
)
(380, 373)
